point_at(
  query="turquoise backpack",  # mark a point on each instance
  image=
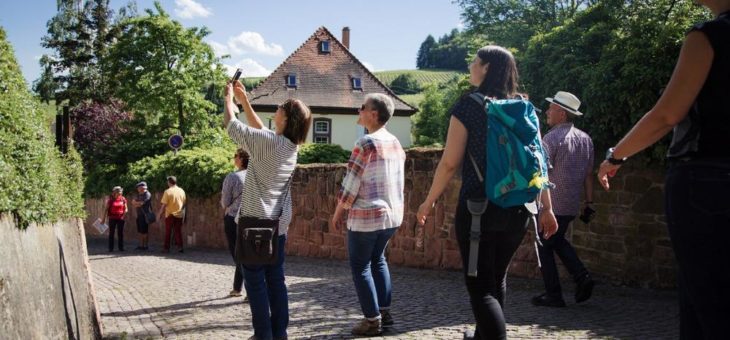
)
(516, 163)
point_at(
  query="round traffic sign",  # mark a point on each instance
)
(175, 141)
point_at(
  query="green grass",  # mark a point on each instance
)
(412, 99)
(422, 76)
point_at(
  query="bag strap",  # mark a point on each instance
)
(234, 200)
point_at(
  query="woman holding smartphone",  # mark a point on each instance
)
(273, 157)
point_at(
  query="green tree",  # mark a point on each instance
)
(511, 23)
(615, 56)
(405, 83)
(431, 122)
(163, 70)
(423, 59)
(450, 52)
(79, 35)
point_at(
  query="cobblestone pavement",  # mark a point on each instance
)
(149, 295)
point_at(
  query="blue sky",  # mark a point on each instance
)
(259, 35)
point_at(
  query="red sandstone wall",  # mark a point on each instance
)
(627, 242)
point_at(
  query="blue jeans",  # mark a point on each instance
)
(370, 270)
(268, 297)
(698, 219)
(557, 244)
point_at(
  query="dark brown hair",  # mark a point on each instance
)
(243, 156)
(298, 120)
(501, 79)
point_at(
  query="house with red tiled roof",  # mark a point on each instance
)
(325, 75)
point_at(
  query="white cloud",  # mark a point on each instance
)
(219, 48)
(253, 42)
(368, 66)
(460, 25)
(251, 68)
(188, 9)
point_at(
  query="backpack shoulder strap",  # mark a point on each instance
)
(478, 97)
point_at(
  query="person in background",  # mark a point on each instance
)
(173, 205)
(143, 204)
(116, 210)
(570, 153)
(273, 160)
(696, 104)
(231, 203)
(372, 192)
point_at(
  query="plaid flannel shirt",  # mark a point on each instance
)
(372, 189)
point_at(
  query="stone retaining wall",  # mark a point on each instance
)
(46, 290)
(626, 243)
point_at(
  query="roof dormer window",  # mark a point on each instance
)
(324, 46)
(356, 83)
(291, 80)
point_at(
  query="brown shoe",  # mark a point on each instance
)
(234, 293)
(368, 328)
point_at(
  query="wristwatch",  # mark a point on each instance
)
(614, 161)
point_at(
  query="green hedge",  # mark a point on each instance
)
(200, 172)
(37, 183)
(322, 153)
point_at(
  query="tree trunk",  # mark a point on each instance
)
(181, 117)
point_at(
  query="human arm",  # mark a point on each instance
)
(548, 224)
(226, 193)
(450, 161)
(253, 119)
(352, 181)
(106, 211)
(693, 66)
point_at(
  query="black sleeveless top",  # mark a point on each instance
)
(704, 132)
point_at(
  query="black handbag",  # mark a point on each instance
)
(257, 239)
(149, 217)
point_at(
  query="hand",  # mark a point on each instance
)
(423, 210)
(239, 91)
(547, 225)
(333, 224)
(605, 171)
(229, 92)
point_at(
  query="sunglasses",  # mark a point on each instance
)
(364, 107)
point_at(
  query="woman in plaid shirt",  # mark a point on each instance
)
(372, 191)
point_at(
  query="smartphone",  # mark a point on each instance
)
(237, 75)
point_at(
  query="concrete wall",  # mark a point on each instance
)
(626, 243)
(45, 283)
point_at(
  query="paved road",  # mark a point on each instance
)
(148, 295)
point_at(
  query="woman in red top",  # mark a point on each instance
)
(116, 208)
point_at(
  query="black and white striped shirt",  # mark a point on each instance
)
(272, 161)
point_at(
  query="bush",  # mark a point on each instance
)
(200, 172)
(405, 83)
(37, 183)
(322, 153)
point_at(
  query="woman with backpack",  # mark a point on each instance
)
(494, 74)
(696, 105)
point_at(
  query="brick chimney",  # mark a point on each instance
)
(346, 37)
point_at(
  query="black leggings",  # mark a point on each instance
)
(117, 225)
(487, 290)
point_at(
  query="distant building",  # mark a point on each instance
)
(324, 74)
